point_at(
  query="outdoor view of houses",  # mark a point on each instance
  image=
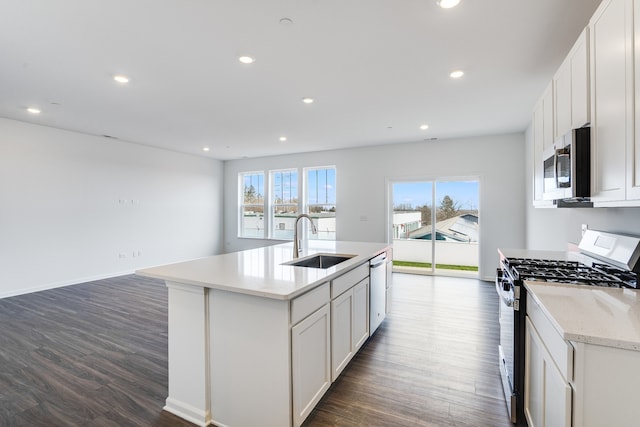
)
(434, 225)
(444, 238)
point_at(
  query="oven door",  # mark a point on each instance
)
(507, 316)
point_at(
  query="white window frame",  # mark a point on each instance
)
(242, 205)
(307, 206)
(302, 205)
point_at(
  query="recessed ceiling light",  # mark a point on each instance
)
(307, 100)
(424, 127)
(447, 4)
(246, 59)
(456, 74)
(283, 138)
(205, 149)
(121, 79)
(34, 110)
(286, 21)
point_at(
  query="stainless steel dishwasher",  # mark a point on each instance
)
(377, 291)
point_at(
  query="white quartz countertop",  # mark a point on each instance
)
(591, 314)
(261, 271)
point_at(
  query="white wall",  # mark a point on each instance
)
(553, 229)
(67, 215)
(362, 175)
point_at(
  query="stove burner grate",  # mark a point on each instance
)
(570, 272)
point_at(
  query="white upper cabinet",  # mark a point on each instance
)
(580, 91)
(543, 130)
(611, 41)
(571, 88)
(633, 154)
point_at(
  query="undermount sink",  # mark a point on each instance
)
(320, 261)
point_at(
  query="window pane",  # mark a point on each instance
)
(253, 189)
(284, 203)
(321, 186)
(252, 221)
(252, 208)
(321, 202)
(284, 218)
(285, 187)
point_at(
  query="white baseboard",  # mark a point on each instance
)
(187, 412)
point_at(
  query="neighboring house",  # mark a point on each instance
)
(405, 222)
(461, 228)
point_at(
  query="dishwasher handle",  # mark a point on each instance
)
(377, 261)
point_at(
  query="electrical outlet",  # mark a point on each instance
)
(585, 227)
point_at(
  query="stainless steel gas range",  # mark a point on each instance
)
(603, 259)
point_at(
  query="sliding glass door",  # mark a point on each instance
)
(434, 226)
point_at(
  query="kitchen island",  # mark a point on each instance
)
(254, 340)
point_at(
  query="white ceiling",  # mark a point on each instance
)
(378, 69)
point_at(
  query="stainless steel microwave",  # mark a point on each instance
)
(567, 166)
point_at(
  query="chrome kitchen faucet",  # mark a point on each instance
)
(296, 245)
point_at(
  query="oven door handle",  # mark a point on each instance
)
(506, 298)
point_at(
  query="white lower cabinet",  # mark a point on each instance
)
(330, 324)
(548, 372)
(606, 386)
(548, 393)
(349, 325)
(311, 362)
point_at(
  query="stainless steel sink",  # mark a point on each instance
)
(319, 261)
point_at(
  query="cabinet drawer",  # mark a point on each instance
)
(307, 303)
(349, 280)
(560, 350)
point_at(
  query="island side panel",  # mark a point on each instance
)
(188, 353)
(250, 349)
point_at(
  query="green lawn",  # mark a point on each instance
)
(441, 266)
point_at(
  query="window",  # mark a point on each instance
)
(284, 203)
(252, 206)
(320, 201)
(288, 193)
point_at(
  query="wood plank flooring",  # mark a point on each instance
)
(95, 354)
(432, 362)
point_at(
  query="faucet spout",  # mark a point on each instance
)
(296, 243)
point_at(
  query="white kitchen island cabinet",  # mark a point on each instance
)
(311, 362)
(349, 325)
(250, 336)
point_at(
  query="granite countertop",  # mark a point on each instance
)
(591, 314)
(261, 272)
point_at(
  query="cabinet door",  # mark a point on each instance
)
(360, 315)
(538, 144)
(533, 379)
(548, 116)
(633, 156)
(611, 39)
(547, 400)
(311, 363)
(580, 102)
(562, 98)
(543, 132)
(571, 89)
(341, 332)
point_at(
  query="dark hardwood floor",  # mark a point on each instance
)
(432, 362)
(95, 354)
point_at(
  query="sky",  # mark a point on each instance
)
(464, 193)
